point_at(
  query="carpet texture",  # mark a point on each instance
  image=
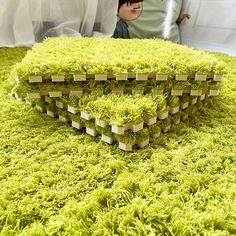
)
(55, 180)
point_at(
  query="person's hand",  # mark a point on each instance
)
(182, 17)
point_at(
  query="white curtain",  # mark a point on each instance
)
(24, 22)
(212, 25)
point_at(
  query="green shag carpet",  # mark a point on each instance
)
(55, 180)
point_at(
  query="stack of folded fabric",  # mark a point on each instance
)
(126, 91)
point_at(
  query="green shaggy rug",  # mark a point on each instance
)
(55, 180)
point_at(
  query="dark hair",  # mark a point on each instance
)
(121, 2)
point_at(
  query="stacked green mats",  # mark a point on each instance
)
(126, 91)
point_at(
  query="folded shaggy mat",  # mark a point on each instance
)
(62, 66)
(117, 85)
(58, 59)
(118, 117)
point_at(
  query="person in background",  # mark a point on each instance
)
(159, 19)
(128, 10)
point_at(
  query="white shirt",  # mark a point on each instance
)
(157, 20)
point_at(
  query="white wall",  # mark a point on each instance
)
(212, 25)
